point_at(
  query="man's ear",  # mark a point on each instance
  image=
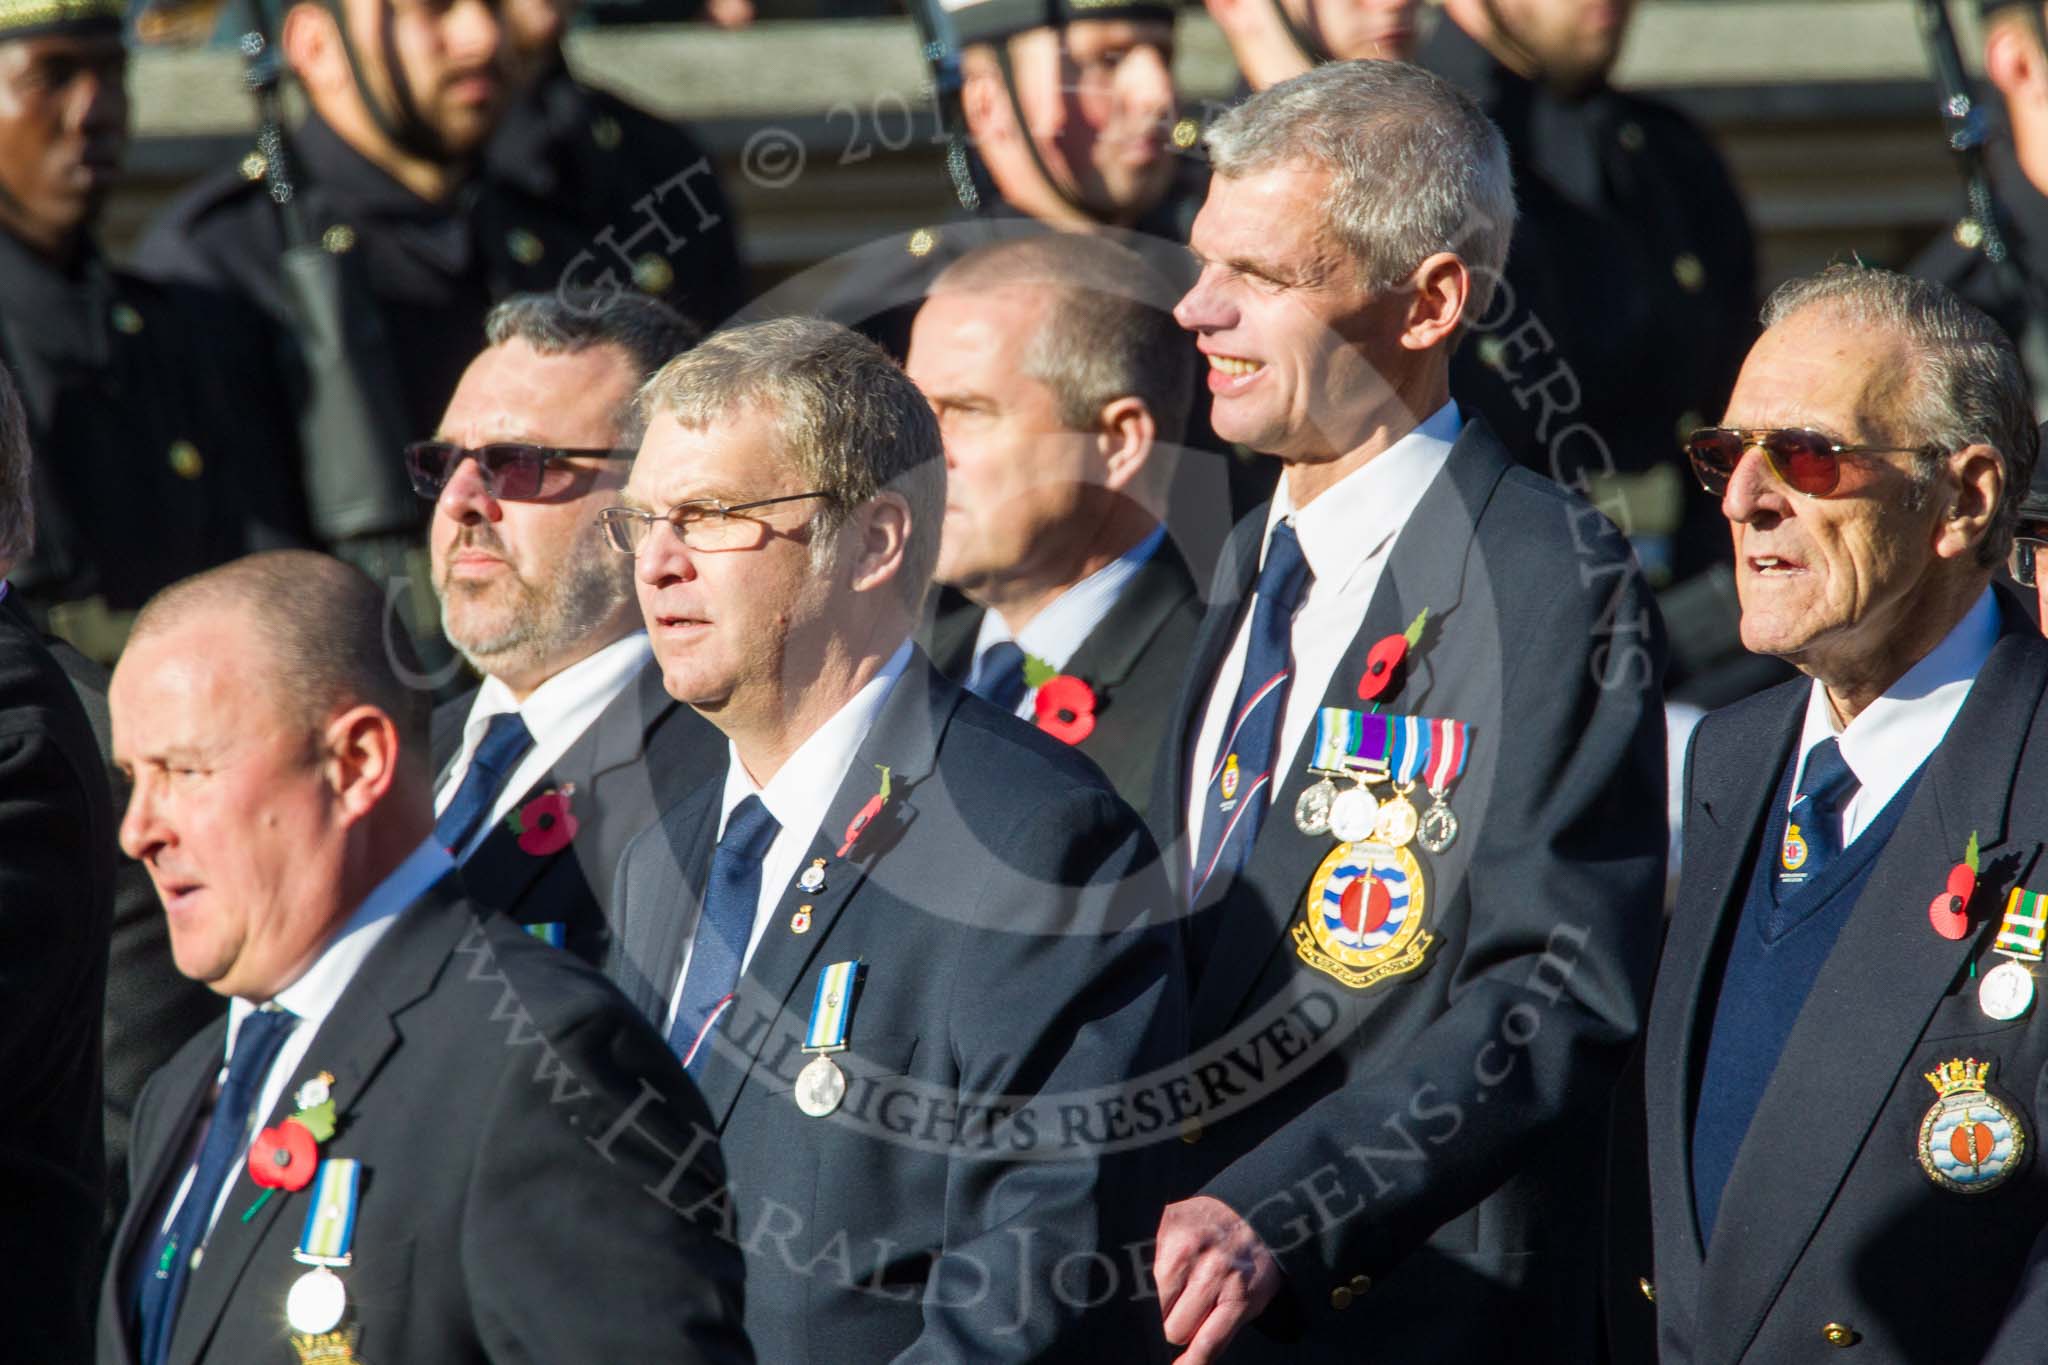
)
(1980, 486)
(1436, 306)
(984, 105)
(312, 47)
(362, 753)
(1124, 435)
(883, 530)
(2012, 62)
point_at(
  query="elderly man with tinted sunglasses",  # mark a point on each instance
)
(570, 746)
(1845, 1060)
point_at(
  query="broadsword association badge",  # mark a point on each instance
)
(1362, 919)
(1970, 1141)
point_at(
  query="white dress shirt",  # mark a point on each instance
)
(797, 796)
(1346, 536)
(311, 998)
(1890, 738)
(1058, 631)
(556, 714)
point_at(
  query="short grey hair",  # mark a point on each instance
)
(1964, 385)
(1415, 166)
(17, 478)
(850, 421)
(645, 330)
(1108, 334)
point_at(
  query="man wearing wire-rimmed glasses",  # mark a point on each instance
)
(570, 746)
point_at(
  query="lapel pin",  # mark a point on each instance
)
(800, 922)
(813, 879)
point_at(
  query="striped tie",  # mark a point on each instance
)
(1239, 782)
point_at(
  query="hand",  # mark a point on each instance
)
(1214, 1276)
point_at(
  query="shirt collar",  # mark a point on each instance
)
(313, 995)
(1058, 631)
(1354, 518)
(802, 789)
(1890, 738)
(567, 703)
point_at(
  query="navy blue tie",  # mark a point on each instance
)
(1813, 834)
(720, 945)
(1236, 790)
(506, 740)
(222, 1153)
(998, 675)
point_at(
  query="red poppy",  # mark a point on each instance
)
(284, 1157)
(1065, 708)
(546, 824)
(1381, 665)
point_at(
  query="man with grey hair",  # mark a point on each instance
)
(1413, 621)
(570, 746)
(1061, 387)
(1844, 1067)
(910, 947)
(56, 890)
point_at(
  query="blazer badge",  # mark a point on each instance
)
(1970, 1141)
(1362, 919)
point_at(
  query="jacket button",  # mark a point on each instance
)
(1649, 1290)
(1839, 1334)
(1340, 1298)
(1191, 1131)
(1361, 1284)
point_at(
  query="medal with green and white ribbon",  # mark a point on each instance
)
(2007, 990)
(318, 1301)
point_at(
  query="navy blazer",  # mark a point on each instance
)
(1827, 1218)
(981, 1194)
(1422, 1153)
(529, 1147)
(643, 753)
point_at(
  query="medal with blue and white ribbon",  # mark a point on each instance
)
(318, 1301)
(2007, 991)
(821, 1085)
(1408, 741)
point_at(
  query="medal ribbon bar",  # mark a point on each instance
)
(2025, 926)
(331, 1220)
(831, 1008)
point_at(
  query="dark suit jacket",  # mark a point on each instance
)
(56, 884)
(642, 754)
(512, 1115)
(1827, 1216)
(1422, 1154)
(1133, 659)
(1005, 907)
(152, 1008)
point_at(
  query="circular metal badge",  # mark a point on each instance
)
(1353, 814)
(820, 1087)
(1439, 827)
(1312, 809)
(1397, 823)
(2006, 991)
(316, 1302)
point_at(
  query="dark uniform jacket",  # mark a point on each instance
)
(56, 878)
(1830, 1232)
(1422, 1152)
(1629, 300)
(527, 1143)
(1132, 661)
(1957, 259)
(966, 1201)
(643, 753)
(161, 446)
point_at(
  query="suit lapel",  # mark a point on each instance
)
(1425, 569)
(1727, 811)
(146, 1201)
(353, 1041)
(1236, 571)
(1106, 658)
(905, 737)
(1883, 979)
(647, 948)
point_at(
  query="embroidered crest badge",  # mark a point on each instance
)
(1970, 1141)
(1362, 921)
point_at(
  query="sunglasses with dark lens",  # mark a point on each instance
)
(512, 471)
(1805, 461)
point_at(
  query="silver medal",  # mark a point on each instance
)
(1353, 814)
(1312, 810)
(316, 1302)
(2007, 990)
(819, 1087)
(1439, 827)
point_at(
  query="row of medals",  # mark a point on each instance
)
(1354, 815)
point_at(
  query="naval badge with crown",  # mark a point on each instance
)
(1970, 1141)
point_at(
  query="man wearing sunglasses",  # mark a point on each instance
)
(569, 746)
(1844, 1061)
(893, 905)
